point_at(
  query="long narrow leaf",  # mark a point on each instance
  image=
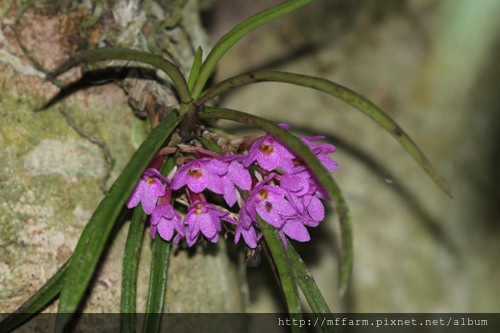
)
(283, 265)
(358, 101)
(157, 286)
(96, 233)
(310, 290)
(130, 269)
(195, 69)
(238, 32)
(158, 276)
(36, 302)
(302, 150)
(119, 53)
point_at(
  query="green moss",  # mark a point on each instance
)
(50, 178)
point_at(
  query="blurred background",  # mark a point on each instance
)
(433, 67)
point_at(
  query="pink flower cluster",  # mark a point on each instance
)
(278, 185)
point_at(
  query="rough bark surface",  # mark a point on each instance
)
(57, 162)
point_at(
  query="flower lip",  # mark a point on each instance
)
(201, 174)
(195, 173)
(266, 149)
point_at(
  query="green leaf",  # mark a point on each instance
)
(36, 302)
(130, 268)
(323, 176)
(238, 32)
(350, 97)
(158, 276)
(283, 265)
(310, 290)
(157, 286)
(94, 236)
(195, 69)
(119, 53)
(210, 145)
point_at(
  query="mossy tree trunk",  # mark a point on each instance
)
(58, 162)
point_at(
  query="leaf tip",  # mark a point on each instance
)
(443, 184)
(449, 191)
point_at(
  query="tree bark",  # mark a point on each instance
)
(58, 162)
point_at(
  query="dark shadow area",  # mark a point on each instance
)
(262, 275)
(486, 105)
(269, 277)
(102, 76)
(208, 248)
(295, 54)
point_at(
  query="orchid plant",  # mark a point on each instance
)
(268, 189)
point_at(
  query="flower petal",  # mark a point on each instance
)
(229, 193)
(136, 195)
(207, 227)
(250, 237)
(166, 229)
(215, 166)
(268, 162)
(240, 176)
(215, 183)
(152, 230)
(148, 201)
(191, 240)
(270, 217)
(180, 177)
(316, 209)
(296, 230)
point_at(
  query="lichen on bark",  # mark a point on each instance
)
(51, 176)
